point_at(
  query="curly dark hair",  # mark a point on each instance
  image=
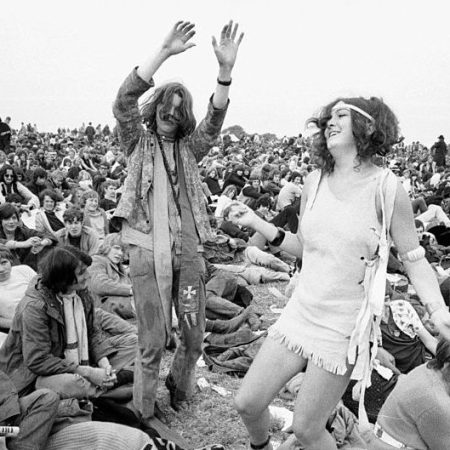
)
(163, 96)
(371, 139)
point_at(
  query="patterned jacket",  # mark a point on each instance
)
(138, 144)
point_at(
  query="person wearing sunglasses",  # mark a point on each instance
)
(9, 184)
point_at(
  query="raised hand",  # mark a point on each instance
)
(226, 49)
(177, 41)
(240, 214)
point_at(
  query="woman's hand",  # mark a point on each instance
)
(441, 322)
(227, 48)
(177, 41)
(31, 242)
(240, 214)
(387, 360)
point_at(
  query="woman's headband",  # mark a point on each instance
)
(342, 105)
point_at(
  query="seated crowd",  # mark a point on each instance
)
(67, 316)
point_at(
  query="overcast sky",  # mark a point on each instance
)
(62, 61)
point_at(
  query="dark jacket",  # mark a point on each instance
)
(213, 185)
(37, 339)
(25, 255)
(235, 179)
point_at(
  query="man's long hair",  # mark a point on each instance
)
(163, 96)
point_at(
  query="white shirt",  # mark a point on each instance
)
(13, 289)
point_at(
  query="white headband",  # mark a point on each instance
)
(342, 105)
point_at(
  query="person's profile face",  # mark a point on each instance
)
(81, 278)
(168, 116)
(5, 269)
(115, 254)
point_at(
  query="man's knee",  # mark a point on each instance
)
(42, 398)
(67, 385)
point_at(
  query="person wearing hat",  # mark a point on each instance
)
(439, 151)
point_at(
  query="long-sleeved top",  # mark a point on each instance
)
(135, 208)
(22, 190)
(108, 279)
(37, 339)
(25, 255)
(89, 242)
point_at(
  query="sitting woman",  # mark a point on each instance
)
(228, 194)
(9, 184)
(14, 282)
(406, 341)
(94, 216)
(109, 281)
(416, 414)
(212, 182)
(54, 342)
(48, 218)
(27, 246)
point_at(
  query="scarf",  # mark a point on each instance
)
(189, 280)
(76, 330)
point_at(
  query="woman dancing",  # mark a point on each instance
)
(327, 329)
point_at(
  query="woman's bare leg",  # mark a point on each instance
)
(319, 394)
(272, 368)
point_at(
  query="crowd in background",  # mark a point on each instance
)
(59, 191)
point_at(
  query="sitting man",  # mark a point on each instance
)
(54, 341)
(14, 282)
(34, 414)
(77, 234)
(109, 281)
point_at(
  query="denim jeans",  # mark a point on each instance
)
(152, 332)
(37, 415)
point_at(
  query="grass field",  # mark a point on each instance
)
(210, 417)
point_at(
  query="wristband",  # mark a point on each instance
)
(434, 306)
(279, 238)
(224, 83)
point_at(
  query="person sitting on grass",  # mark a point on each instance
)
(47, 219)
(416, 414)
(94, 216)
(109, 281)
(14, 282)
(27, 246)
(54, 341)
(76, 234)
